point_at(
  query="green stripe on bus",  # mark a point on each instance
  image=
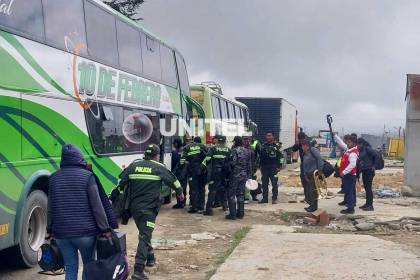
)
(7, 210)
(27, 56)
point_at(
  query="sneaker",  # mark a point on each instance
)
(200, 211)
(363, 206)
(254, 199)
(240, 216)
(340, 192)
(368, 208)
(246, 202)
(347, 211)
(342, 203)
(263, 201)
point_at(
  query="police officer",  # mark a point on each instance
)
(178, 170)
(142, 180)
(192, 156)
(216, 161)
(271, 158)
(241, 167)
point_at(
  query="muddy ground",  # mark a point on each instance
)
(181, 257)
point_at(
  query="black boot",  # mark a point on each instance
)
(241, 210)
(139, 274)
(264, 200)
(232, 210)
(178, 206)
(208, 212)
(151, 260)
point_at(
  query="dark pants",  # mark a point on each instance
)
(367, 178)
(349, 187)
(145, 223)
(269, 174)
(184, 184)
(216, 191)
(198, 191)
(312, 193)
(236, 197)
(305, 186)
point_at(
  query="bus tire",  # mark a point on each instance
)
(33, 231)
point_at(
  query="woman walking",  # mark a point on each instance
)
(77, 210)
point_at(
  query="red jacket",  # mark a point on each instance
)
(346, 161)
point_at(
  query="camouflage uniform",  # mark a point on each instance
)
(241, 166)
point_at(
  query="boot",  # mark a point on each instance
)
(139, 274)
(208, 212)
(232, 210)
(178, 206)
(241, 210)
(313, 207)
(264, 200)
(151, 260)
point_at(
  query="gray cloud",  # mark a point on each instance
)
(348, 58)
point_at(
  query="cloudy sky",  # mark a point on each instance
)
(347, 58)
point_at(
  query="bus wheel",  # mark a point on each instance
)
(34, 226)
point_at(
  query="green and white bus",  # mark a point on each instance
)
(224, 116)
(76, 72)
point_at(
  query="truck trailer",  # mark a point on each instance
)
(277, 115)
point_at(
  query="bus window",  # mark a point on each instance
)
(237, 113)
(245, 115)
(101, 34)
(128, 47)
(224, 109)
(232, 116)
(115, 130)
(216, 107)
(182, 74)
(198, 96)
(168, 66)
(65, 29)
(151, 58)
(26, 18)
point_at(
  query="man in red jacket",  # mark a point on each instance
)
(348, 172)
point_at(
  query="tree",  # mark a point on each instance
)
(129, 8)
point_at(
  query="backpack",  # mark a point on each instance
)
(378, 161)
(328, 169)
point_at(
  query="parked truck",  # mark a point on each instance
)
(277, 115)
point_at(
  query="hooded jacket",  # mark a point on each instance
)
(76, 205)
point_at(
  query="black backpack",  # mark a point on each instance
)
(378, 161)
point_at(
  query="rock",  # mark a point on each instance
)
(394, 226)
(365, 226)
(415, 228)
(204, 236)
(407, 191)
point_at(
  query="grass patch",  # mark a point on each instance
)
(237, 238)
(285, 217)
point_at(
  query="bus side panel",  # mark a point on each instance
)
(10, 179)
